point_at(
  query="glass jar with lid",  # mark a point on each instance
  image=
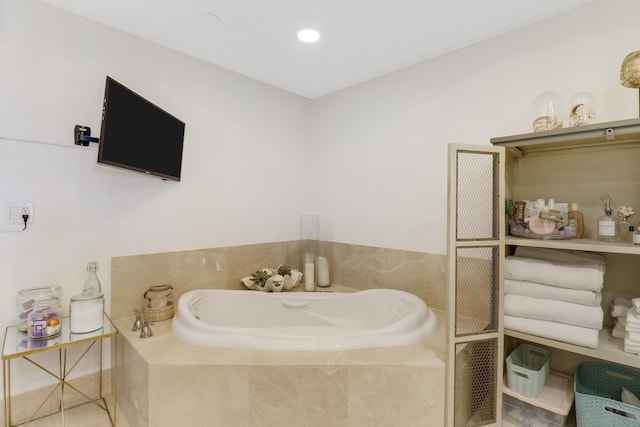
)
(582, 111)
(546, 111)
(43, 321)
(86, 313)
(26, 298)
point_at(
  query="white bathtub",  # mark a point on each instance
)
(302, 321)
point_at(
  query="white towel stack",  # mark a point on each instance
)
(627, 322)
(555, 294)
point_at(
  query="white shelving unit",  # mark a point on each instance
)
(579, 165)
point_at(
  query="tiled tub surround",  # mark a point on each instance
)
(359, 267)
(166, 382)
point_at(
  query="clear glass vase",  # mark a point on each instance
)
(625, 231)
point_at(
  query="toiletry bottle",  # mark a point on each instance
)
(576, 219)
(636, 236)
(92, 284)
(607, 224)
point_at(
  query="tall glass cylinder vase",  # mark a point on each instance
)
(309, 235)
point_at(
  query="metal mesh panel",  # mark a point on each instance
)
(476, 290)
(476, 218)
(476, 383)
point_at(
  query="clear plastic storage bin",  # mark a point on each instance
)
(550, 409)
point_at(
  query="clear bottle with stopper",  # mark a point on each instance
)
(92, 284)
(607, 224)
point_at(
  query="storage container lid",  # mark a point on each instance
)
(84, 297)
(556, 396)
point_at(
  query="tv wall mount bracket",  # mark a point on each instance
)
(82, 135)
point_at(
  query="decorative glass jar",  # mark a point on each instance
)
(546, 110)
(43, 321)
(582, 109)
(26, 298)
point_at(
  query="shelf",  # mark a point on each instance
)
(590, 245)
(609, 348)
(599, 134)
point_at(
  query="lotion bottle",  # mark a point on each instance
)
(607, 224)
(576, 219)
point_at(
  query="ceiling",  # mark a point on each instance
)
(360, 39)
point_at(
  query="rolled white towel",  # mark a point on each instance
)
(587, 277)
(622, 321)
(555, 311)
(571, 334)
(539, 290)
(560, 255)
(620, 306)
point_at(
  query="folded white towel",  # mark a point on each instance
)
(618, 333)
(571, 334)
(555, 311)
(629, 398)
(560, 255)
(587, 277)
(622, 321)
(539, 290)
(632, 338)
(629, 348)
(633, 320)
(636, 304)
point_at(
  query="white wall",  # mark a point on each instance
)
(381, 146)
(373, 156)
(241, 178)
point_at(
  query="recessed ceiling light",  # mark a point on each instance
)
(308, 35)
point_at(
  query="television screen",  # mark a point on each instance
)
(137, 135)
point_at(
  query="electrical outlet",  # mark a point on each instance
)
(14, 210)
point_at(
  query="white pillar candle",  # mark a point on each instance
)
(309, 280)
(323, 272)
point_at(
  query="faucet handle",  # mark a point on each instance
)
(146, 331)
(137, 325)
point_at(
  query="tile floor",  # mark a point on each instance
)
(82, 416)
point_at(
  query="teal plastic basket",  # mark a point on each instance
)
(598, 386)
(528, 369)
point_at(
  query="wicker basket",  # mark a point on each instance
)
(158, 314)
(596, 386)
(528, 369)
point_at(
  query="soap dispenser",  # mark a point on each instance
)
(607, 224)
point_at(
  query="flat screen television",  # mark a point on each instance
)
(137, 135)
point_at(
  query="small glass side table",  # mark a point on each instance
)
(17, 345)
